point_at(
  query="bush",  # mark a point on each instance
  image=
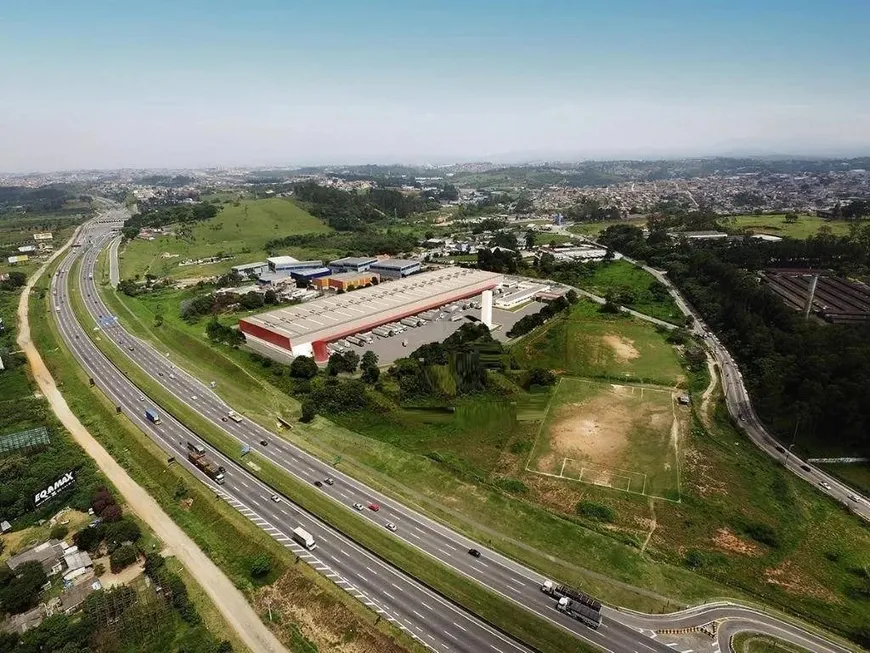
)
(123, 557)
(58, 532)
(261, 566)
(694, 559)
(762, 533)
(512, 485)
(303, 367)
(99, 569)
(596, 511)
(111, 513)
(122, 531)
(309, 411)
(88, 539)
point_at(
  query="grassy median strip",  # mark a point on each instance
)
(226, 536)
(500, 612)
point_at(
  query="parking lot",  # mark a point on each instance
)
(389, 349)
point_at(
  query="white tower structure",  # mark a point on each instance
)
(486, 308)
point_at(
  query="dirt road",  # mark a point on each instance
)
(229, 600)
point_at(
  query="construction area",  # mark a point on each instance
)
(820, 293)
(331, 323)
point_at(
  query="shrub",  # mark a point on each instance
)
(309, 411)
(694, 559)
(123, 530)
(58, 532)
(595, 511)
(123, 557)
(99, 569)
(111, 513)
(261, 566)
(762, 533)
(512, 485)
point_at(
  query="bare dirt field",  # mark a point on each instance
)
(622, 436)
(623, 348)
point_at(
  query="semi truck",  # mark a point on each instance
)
(383, 332)
(214, 472)
(303, 537)
(152, 416)
(409, 322)
(580, 612)
(354, 340)
(560, 591)
(233, 415)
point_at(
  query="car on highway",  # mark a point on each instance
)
(275, 498)
(852, 497)
(264, 442)
(328, 480)
(806, 468)
(193, 397)
(373, 506)
(780, 449)
(390, 526)
(825, 485)
(318, 484)
(141, 397)
(358, 506)
(474, 553)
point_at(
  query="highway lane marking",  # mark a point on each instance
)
(386, 593)
(426, 605)
(372, 570)
(516, 582)
(496, 649)
(364, 579)
(397, 587)
(447, 553)
(460, 627)
(482, 563)
(414, 535)
(418, 614)
(344, 552)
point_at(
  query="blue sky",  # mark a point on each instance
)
(173, 84)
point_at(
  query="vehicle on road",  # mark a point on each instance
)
(358, 506)
(564, 591)
(780, 449)
(474, 553)
(328, 480)
(303, 537)
(130, 347)
(264, 442)
(141, 397)
(275, 498)
(375, 507)
(852, 497)
(580, 612)
(201, 461)
(390, 526)
(193, 397)
(152, 416)
(825, 485)
(318, 484)
(806, 468)
(233, 415)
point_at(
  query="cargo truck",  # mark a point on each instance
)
(303, 537)
(233, 415)
(152, 416)
(383, 332)
(354, 340)
(366, 336)
(559, 591)
(409, 322)
(214, 472)
(580, 612)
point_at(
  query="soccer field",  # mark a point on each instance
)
(626, 437)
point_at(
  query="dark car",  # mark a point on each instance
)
(780, 449)
(264, 442)
(318, 484)
(806, 468)
(474, 553)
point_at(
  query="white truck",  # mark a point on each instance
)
(233, 415)
(303, 537)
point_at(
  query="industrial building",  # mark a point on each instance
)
(347, 280)
(309, 275)
(251, 270)
(395, 268)
(306, 329)
(524, 293)
(352, 264)
(288, 264)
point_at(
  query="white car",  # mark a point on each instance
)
(275, 498)
(852, 497)
(358, 506)
(825, 485)
(141, 397)
(193, 397)
(391, 526)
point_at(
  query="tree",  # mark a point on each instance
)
(540, 377)
(111, 513)
(270, 297)
(58, 532)
(102, 498)
(351, 361)
(791, 218)
(309, 411)
(369, 359)
(122, 557)
(371, 374)
(261, 566)
(124, 530)
(19, 590)
(530, 239)
(303, 367)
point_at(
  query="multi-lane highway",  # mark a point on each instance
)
(433, 620)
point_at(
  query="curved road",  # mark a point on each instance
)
(620, 631)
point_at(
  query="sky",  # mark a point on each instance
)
(183, 83)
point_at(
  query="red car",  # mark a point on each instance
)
(374, 506)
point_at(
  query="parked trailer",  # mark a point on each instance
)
(383, 332)
(580, 612)
(152, 416)
(559, 591)
(367, 336)
(409, 322)
(354, 340)
(304, 538)
(429, 315)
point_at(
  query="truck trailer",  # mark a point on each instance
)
(152, 416)
(580, 612)
(303, 537)
(214, 472)
(560, 591)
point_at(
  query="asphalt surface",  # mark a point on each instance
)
(620, 631)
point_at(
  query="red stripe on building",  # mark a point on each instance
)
(265, 334)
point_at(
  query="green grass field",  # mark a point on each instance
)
(751, 643)
(592, 229)
(238, 231)
(807, 225)
(623, 276)
(624, 437)
(588, 343)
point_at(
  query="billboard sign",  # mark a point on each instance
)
(64, 482)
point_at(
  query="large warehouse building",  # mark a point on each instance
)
(306, 329)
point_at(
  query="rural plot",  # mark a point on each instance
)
(621, 436)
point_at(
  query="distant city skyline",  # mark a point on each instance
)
(100, 85)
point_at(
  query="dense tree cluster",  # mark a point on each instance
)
(45, 199)
(16, 280)
(360, 243)
(807, 380)
(19, 589)
(500, 260)
(534, 320)
(162, 216)
(218, 332)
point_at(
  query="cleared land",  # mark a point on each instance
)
(637, 284)
(238, 231)
(624, 437)
(589, 343)
(775, 225)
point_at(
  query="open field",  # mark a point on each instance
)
(623, 277)
(625, 437)
(237, 231)
(775, 225)
(589, 343)
(751, 643)
(727, 486)
(592, 229)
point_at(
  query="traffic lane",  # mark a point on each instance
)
(176, 430)
(734, 626)
(501, 577)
